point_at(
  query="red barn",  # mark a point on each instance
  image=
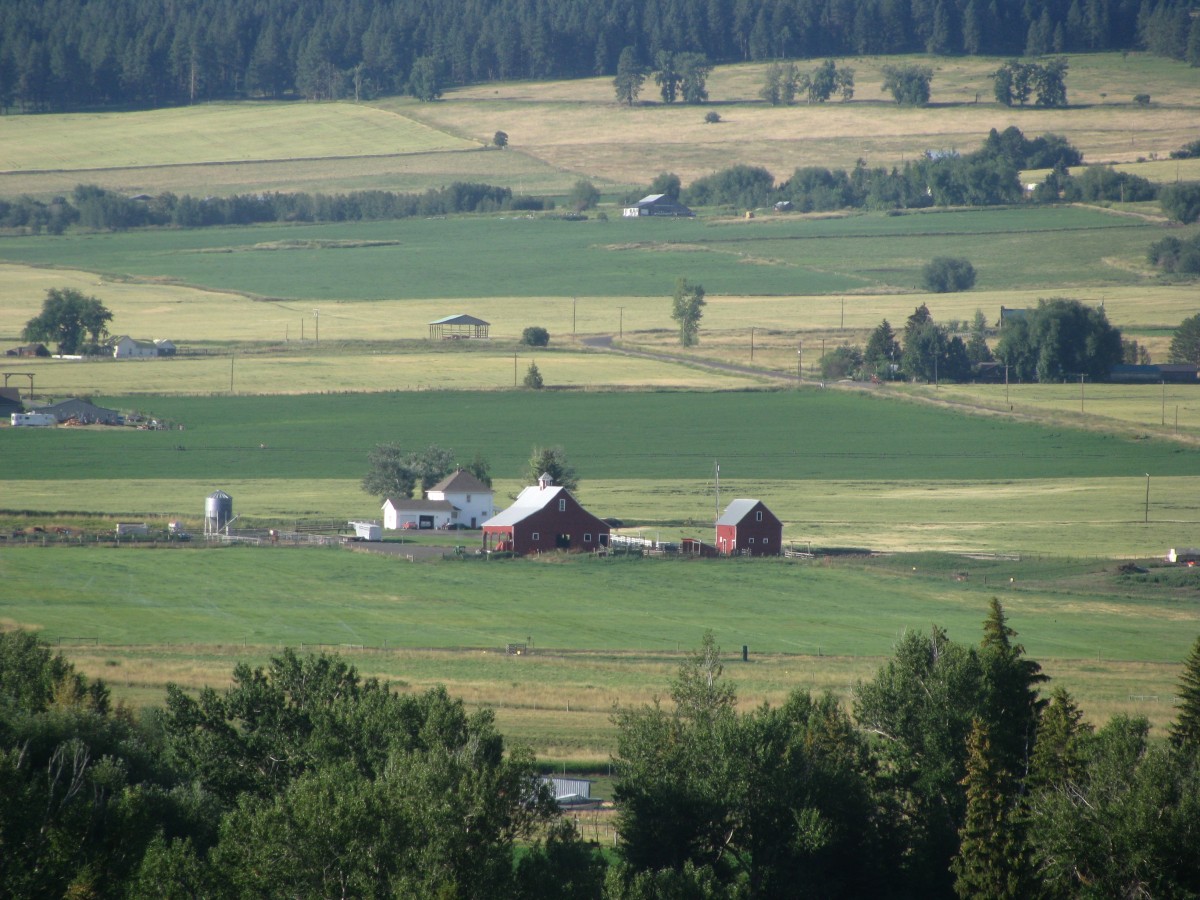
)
(545, 517)
(748, 528)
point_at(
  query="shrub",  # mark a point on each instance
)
(712, 118)
(1181, 201)
(945, 274)
(1141, 99)
(535, 336)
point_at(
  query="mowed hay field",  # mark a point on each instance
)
(577, 124)
(186, 615)
(560, 131)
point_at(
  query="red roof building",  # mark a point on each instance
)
(748, 528)
(545, 517)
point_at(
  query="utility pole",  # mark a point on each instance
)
(1081, 392)
(621, 326)
(231, 358)
(1147, 517)
(800, 361)
(574, 300)
(317, 316)
(751, 343)
(1164, 404)
(514, 370)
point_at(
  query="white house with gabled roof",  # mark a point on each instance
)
(473, 501)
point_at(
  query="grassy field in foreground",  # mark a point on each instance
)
(184, 615)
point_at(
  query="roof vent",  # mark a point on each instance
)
(545, 480)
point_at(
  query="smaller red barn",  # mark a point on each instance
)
(545, 517)
(748, 528)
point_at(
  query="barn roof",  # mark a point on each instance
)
(736, 511)
(461, 482)
(529, 501)
(460, 319)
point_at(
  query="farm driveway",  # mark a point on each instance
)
(605, 342)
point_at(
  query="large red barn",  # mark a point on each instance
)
(545, 517)
(748, 528)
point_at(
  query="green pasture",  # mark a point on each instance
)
(141, 618)
(791, 435)
(479, 257)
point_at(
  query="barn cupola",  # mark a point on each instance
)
(545, 480)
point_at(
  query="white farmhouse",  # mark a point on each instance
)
(459, 499)
(125, 347)
(473, 501)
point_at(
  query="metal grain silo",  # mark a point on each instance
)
(218, 510)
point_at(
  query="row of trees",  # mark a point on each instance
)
(97, 208)
(1057, 340)
(985, 177)
(679, 76)
(395, 472)
(1016, 81)
(784, 82)
(952, 774)
(71, 53)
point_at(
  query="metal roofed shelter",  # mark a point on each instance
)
(657, 205)
(460, 327)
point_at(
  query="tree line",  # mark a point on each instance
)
(67, 54)
(951, 774)
(97, 208)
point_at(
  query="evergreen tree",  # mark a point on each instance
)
(1185, 343)
(1059, 752)
(1185, 730)
(977, 348)
(1011, 704)
(882, 348)
(992, 861)
(552, 461)
(630, 75)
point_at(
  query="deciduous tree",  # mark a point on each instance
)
(68, 318)
(687, 308)
(629, 78)
(1185, 343)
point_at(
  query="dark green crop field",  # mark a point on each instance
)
(478, 256)
(785, 435)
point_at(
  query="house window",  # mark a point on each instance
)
(562, 505)
(535, 536)
(758, 515)
(587, 537)
(468, 498)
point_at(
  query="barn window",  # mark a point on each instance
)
(758, 515)
(535, 536)
(562, 505)
(766, 540)
(752, 540)
(587, 537)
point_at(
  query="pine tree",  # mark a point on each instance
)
(992, 860)
(1010, 696)
(1185, 730)
(1058, 754)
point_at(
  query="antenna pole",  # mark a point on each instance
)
(717, 511)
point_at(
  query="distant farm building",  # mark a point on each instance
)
(1188, 556)
(460, 327)
(125, 347)
(658, 205)
(748, 528)
(82, 412)
(545, 517)
(1169, 373)
(10, 402)
(1008, 316)
(28, 350)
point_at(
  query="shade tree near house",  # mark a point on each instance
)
(68, 319)
(394, 472)
(1060, 339)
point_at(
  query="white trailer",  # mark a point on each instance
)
(368, 531)
(33, 420)
(124, 528)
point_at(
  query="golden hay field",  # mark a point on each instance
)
(577, 125)
(563, 130)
